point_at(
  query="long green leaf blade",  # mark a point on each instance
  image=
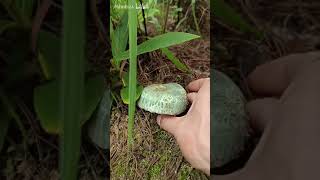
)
(121, 35)
(161, 41)
(132, 14)
(72, 86)
(182, 67)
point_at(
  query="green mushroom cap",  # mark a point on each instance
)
(229, 132)
(170, 99)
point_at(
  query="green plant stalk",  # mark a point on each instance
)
(132, 15)
(72, 86)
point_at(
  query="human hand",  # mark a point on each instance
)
(288, 117)
(192, 131)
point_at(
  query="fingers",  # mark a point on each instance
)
(197, 84)
(191, 96)
(274, 77)
(262, 111)
(169, 123)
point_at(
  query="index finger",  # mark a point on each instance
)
(274, 77)
(197, 84)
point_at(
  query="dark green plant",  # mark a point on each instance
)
(63, 97)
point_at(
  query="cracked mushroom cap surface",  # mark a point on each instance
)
(169, 99)
(229, 120)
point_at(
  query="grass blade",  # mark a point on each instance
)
(121, 35)
(72, 86)
(182, 67)
(132, 19)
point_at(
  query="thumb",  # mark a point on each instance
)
(262, 111)
(169, 123)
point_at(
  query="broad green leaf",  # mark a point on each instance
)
(121, 36)
(161, 41)
(49, 54)
(98, 127)
(46, 102)
(124, 93)
(182, 67)
(228, 15)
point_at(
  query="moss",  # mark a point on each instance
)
(184, 172)
(162, 136)
(155, 170)
(122, 170)
(119, 170)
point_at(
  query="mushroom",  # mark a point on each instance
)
(169, 99)
(229, 131)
